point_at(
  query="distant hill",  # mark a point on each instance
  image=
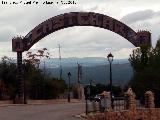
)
(86, 61)
(96, 69)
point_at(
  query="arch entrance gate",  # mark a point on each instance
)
(21, 44)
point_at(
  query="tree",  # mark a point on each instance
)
(34, 76)
(8, 79)
(34, 58)
(54, 87)
(145, 62)
(39, 84)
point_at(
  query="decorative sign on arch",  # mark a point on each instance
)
(80, 19)
(21, 44)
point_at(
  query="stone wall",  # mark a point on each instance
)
(132, 113)
(139, 114)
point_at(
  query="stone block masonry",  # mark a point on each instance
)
(139, 114)
(132, 113)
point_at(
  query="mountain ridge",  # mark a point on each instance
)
(96, 69)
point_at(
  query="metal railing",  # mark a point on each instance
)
(119, 103)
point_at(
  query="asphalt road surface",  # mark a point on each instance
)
(61, 111)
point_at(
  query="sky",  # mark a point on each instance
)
(20, 19)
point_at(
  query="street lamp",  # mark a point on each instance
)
(69, 75)
(90, 84)
(110, 59)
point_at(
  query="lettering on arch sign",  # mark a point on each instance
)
(20, 44)
(84, 19)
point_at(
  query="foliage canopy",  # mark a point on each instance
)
(145, 62)
(39, 84)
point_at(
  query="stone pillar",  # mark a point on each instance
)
(20, 98)
(94, 106)
(149, 100)
(130, 99)
(143, 38)
(19, 46)
(81, 95)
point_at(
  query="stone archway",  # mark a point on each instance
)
(21, 44)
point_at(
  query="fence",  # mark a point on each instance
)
(134, 110)
(93, 106)
(119, 104)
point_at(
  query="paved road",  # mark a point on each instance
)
(42, 112)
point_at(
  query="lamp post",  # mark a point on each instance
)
(69, 75)
(24, 88)
(110, 59)
(90, 84)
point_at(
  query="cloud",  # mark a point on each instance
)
(138, 16)
(84, 41)
(6, 33)
(123, 53)
(5, 50)
(80, 41)
(144, 20)
(25, 18)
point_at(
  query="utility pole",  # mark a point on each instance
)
(80, 88)
(79, 73)
(60, 63)
(69, 77)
